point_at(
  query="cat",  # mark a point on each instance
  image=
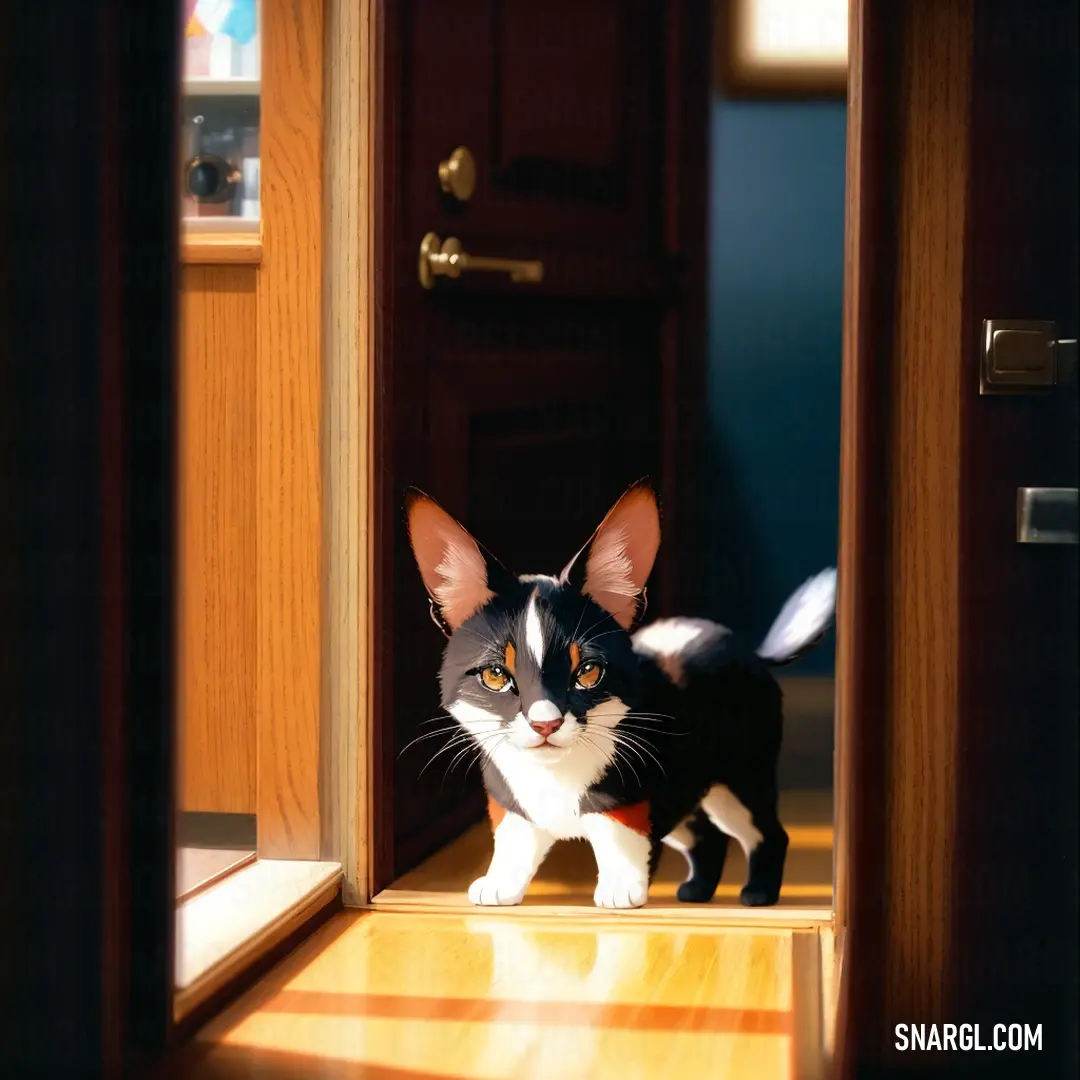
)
(590, 728)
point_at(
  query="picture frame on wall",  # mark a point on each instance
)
(781, 48)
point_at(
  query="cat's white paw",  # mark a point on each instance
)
(491, 891)
(621, 892)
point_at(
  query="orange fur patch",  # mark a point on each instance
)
(511, 656)
(575, 656)
(496, 813)
(636, 816)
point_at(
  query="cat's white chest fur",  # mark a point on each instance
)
(551, 795)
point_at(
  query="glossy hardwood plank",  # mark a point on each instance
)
(216, 558)
(288, 567)
(414, 996)
(567, 878)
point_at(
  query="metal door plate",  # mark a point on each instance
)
(1019, 356)
(1046, 516)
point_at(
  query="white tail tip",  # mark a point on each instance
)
(802, 620)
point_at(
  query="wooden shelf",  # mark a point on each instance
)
(203, 86)
(214, 248)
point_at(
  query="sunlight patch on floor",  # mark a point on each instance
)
(411, 996)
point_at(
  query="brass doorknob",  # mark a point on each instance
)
(447, 258)
(457, 174)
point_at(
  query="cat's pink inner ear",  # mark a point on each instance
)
(450, 562)
(621, 555)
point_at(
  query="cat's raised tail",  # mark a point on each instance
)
(803, 620)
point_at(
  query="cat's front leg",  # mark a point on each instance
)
(621, 843)
(520, 848)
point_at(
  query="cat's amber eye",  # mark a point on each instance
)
(588, 675)
(496, 679)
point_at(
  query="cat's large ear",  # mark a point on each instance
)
(460, 577)
(612, 568)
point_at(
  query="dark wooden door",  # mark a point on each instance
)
(87, 452)
(958, 661)
(527, 408)
(1016, 896)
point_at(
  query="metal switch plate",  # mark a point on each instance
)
(1018, 356)
(1047, 516)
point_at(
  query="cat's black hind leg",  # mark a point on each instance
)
(705, 848)
(766, 871)
(752, 819)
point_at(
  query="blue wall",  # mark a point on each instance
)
(775, 298)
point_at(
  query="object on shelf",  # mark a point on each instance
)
(211, 179)
(250, 169)
(221, 40)
(219, 155)
(234, 19)
(224, 57)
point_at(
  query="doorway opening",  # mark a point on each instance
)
(685, 324)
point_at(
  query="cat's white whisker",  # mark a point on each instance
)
(476, 744)
(607, 759)
(454, 742)
(603, 634)
(577, 625)
(485, 751)
(429, 735)
(435, 719)
(630, 766)
(641, 748)
(624, 726)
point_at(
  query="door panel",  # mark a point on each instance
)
(958, 665)
(216, 595)
(526, 409)
(1016, 895)
(560, 105)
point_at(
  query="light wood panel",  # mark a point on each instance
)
(906, 350)
(923, 477)
(217, 518)
(386, 996)
(348, 415)
(288, 418)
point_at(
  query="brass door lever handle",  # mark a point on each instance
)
(447, 258)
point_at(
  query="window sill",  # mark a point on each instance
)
(220, 249)
(221, 931)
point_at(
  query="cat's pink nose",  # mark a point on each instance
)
(546, 727)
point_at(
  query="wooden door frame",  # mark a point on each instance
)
(355, 366)
(359, 505)
(906, 351)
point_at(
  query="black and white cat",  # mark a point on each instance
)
(590, 730)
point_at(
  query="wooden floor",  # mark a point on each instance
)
(564, 885)
(386, 996)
